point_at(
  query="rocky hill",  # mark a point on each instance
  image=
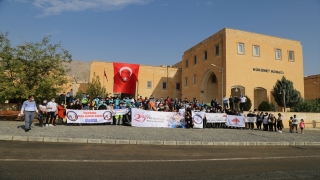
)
(80, 70)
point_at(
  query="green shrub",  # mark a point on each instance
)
(264, 106)
(248, 104)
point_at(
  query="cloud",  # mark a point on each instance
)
(55, 7)
(206, 3)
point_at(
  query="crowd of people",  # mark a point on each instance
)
(49, 111)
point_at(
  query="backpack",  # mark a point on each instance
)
(84, 101)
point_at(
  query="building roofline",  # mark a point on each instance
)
(226, 28)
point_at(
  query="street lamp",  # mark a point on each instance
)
(221, 81)
(284, 98)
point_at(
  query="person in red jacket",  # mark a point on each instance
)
(61, 112)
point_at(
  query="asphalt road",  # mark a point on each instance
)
(32, 160)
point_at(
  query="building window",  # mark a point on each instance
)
(149, 84)
(240, 48)
(187, 64)
(217, 52)
(194, 60)
(194, 80)
(256, 50)
(291, 56)
(278, 53)
(205, 55)
(186, 81)
(164, 85)
(213, 78)
(178, 86)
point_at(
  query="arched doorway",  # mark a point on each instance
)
(238, 90)
(260, 94)
(209, 86)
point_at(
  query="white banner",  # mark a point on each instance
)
(143, 118)
(119, 111)
(88, 116)
(216, 117)
(251, 119)
(197, 118)
(235, 121)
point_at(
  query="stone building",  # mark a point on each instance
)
(312, 86)
(230, 62)
(235, 62)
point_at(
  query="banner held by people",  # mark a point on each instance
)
(88, 116)
(235, 121)
(197, 118)
(144, 118)
(216, 117)
(251, 119)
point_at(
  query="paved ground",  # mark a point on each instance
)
(108, 132)
(36, 160)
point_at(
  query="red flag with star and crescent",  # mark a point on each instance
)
(125, 77)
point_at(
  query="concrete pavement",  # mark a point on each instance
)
(107, 134)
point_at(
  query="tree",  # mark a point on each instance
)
(31, 68)
(283, 90)
(307, 105)
(95, 89)
(264, 106)
(248, 104)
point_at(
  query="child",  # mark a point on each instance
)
(302, 126)
(290, 125)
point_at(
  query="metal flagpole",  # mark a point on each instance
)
(104, 74)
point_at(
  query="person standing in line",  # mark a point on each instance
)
(265, 122)
(279, 123)
(61, 112)
(290, 125)
(259, 120)
(302, 126)
(295, 122)
(250, 123)
(188, 118)
(28, 108)
(231, 103)
(43, 112)
(236, 103)
(52, 107)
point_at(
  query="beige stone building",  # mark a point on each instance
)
(312, 86)
(245, 63)
(159, 81)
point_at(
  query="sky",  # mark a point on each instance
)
(157, 32)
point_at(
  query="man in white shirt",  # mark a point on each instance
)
(295, 122)
(243, 101)
(28, 108)
(52, 108)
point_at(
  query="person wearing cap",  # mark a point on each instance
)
(28, 108)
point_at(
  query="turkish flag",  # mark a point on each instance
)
(125, 77)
